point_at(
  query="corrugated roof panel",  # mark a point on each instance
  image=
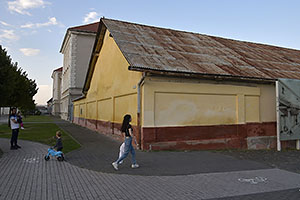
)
(155, 48)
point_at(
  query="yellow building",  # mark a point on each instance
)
(183, 90)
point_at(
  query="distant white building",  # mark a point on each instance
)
(4, 110)
(76, 48)
(56, 91)
(50, 105)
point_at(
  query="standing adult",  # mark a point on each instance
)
(14, 125)
(127, 130)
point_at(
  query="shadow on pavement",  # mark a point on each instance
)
(99, 151)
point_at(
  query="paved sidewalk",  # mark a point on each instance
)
(25, 174)
(99, 151)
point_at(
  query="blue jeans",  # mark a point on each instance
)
(14, 137)
(128, 148)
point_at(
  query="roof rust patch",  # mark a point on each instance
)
(159, 49)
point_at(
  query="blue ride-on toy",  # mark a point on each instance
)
(58, 154)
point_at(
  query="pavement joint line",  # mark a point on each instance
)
(88, 184)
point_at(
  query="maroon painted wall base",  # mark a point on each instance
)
(240, 136)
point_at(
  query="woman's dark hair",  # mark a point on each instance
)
(125, 123)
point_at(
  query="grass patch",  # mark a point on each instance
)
(37, 118)
(43, 133)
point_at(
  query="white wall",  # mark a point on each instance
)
(77, 52)
(84, 49)
(56, 93)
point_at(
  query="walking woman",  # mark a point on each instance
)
(127, 130)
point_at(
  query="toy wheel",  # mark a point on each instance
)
(47, 158)
(60, 158)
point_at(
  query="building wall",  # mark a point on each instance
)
(56, 85)
(4, 110)
(66, 76)
(66, 72)
(84, 47)
(190, 114)
(56, 93)
(77, 53)
(177, 113)
(112, 92)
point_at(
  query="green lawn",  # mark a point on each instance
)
(41, 132)
(37, 118)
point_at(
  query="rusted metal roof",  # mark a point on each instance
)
(148, 48)
(93, 27)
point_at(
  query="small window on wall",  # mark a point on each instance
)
(80, 111)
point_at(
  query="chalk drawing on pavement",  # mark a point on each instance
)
(255, 180)
(31, 160)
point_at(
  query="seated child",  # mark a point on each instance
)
(58, 145)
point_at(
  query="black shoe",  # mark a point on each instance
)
(17, 146)
(13, 148)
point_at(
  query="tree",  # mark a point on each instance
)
(6, 74)
(16, 89)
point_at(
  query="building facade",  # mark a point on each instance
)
(4, 110)
(50, 106)
(56, 91)
(183, 90)
(76, 49)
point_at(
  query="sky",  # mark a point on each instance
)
(32, 31)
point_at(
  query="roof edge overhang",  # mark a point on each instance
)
(55, 71)
(69, 30)
(64, 41)
(94, 56)
(217, 77)
(79, 98)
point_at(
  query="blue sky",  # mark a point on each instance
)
(32, 31)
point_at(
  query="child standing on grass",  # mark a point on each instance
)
(58, 145)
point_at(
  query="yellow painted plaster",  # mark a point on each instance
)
(171, 102)
(267, 103)
(113, 88)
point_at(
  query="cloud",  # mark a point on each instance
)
(43, 95)
(51, 22)
(8, 35)
(29, 51)
(20, 6)
(91, 17)
(28, 25)
(4, 23)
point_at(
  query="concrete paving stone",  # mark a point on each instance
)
(25, 174)
(275, 195)
(98, 151)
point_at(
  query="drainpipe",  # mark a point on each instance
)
(139, 109)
